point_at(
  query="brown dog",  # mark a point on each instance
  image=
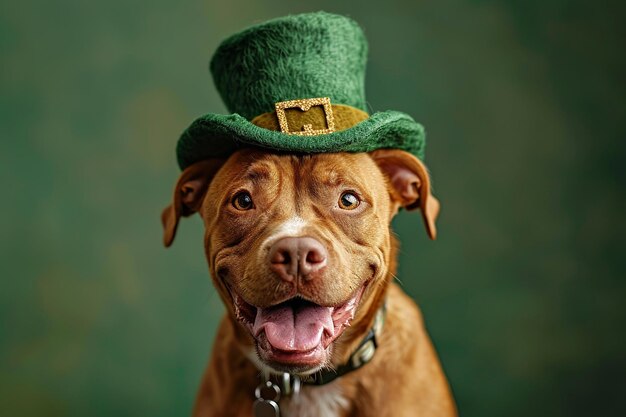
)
(300, 250)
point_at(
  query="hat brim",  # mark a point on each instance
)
(218, 136)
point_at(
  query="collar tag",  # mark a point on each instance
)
(266, 404)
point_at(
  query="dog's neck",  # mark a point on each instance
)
(289, 385)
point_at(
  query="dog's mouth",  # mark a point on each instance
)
(296, 334)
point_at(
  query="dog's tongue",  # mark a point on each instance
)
(294, 327)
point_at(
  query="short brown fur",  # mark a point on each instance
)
(404, 378)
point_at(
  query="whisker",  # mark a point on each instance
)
(398, 279)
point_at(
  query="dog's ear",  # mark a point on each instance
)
(409, 184)
(189, 192)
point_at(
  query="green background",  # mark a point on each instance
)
(523, 292)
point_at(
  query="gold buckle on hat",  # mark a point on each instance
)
(305, 105)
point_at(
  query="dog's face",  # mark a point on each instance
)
(299, 246)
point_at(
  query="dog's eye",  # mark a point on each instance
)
(349, 200)
(242, 201)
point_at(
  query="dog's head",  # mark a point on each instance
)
(299, 246)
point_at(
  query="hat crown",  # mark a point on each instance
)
(294, 57)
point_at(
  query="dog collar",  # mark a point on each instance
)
(362, 355)
(268, 393)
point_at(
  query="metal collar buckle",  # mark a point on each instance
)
(305, 105)
(364, 354)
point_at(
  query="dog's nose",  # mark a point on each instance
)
(293, 256)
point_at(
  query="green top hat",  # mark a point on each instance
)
(296, 84)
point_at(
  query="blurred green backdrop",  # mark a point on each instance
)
(523, 292)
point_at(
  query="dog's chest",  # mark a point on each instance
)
(324, 401)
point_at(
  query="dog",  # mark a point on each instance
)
(301, 252)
